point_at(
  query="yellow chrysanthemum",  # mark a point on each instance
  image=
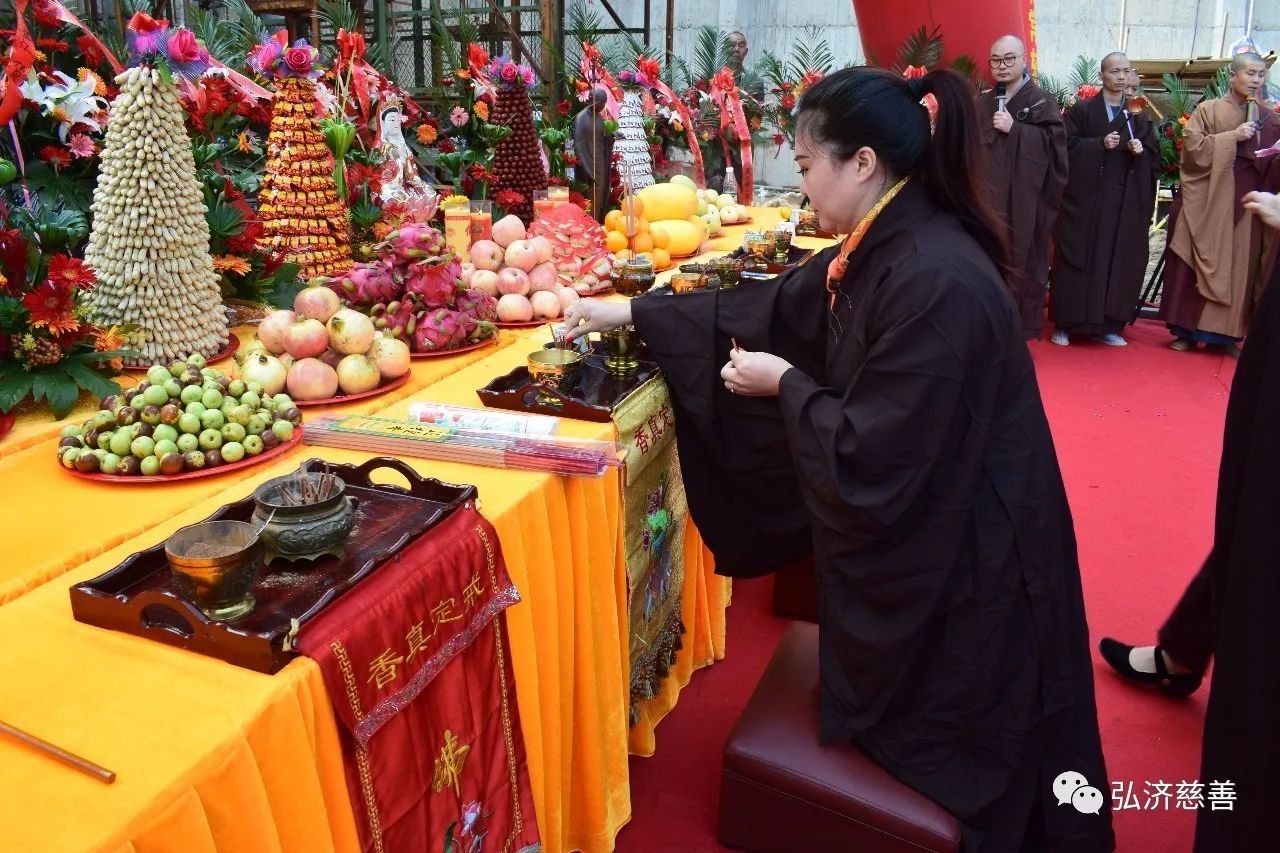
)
(108, 340)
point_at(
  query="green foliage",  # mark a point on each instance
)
(338, 14)
(58, 384)
(228, 36)
(1219, 85)
(922, 49)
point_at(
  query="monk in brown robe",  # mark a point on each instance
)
(1218, 257)
(1026, 171)
(1101, 248)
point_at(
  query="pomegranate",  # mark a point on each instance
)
(350, 332)
(521, 255)
(487, 255)
(357, 374)
(512, 280)
(318, 303)
(545, 304)
(266, 370)
(486, 281)
(514, 308)
(311, 379)
(306, 338)
(272, 328)
(331, 357)
(391, 355)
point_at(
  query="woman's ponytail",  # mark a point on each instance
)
(953, 162)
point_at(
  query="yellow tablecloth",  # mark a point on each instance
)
(211, 756)
(53, 522)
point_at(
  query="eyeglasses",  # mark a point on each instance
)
(1004, 61)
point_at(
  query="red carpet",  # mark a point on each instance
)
(1139, 433)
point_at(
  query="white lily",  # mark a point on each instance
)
(68, 101)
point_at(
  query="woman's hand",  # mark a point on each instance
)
(753, 374)
(591, 315)
(1265, 206)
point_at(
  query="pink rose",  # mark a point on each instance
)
(183, 47)
(298, 59)
(509, 73)
(526, 74)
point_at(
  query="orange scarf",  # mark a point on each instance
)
(839, 265)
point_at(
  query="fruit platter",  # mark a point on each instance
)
(185, 420)
(536, 273)
(321, 353)
(233, 344)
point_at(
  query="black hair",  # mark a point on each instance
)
(867, 107)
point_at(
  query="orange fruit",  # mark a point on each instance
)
(635, 225)
(613, 220)
(616, 241)
(661, 239)
(661, 259)
(622, 255)
(633, 205)
(642, 243)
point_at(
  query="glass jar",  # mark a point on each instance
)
(782, 246)
(730, 270)
(633, 277)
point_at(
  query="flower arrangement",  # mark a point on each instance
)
(467, 138)
(49, 351)
(506, 74)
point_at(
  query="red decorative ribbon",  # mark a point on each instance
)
(682, 109)
(594, 72)
(727, 96)
(64, 15)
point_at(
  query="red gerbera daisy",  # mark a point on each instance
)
(93, 55)
(51, 306)
(70, 271)
(56, 156)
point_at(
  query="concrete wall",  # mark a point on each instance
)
(1147, 29)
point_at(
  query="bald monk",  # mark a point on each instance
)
(1218, 257)
(1101, 247)
(1026, 171)
(594, 150)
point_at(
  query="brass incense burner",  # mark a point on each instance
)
(621, 351)
(215, 563)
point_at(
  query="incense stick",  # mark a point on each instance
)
(85, 766)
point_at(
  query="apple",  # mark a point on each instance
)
(521, 255)
(485, 281)
(514, 308)
(512, 280)
(545, 305)
(544, 277)
(487, 255)
(543, 247)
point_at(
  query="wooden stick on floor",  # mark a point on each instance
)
(102, 774)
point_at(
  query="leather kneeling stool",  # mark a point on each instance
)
(782, 791)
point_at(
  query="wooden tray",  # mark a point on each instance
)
(140, 597)
(594, 398)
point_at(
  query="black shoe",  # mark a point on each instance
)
(1174, 684)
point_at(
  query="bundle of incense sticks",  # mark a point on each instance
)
(551, 454)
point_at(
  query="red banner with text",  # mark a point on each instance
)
(883, 27)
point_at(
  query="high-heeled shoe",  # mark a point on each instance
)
(1176, 684)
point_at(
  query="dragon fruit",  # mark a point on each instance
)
(412, 241)
(482, 332)
(397, 319)
(435, 281)
(477, 304)
(440, 329)
(367, 284)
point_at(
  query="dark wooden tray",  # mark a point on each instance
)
(594, 396)
(140, 597)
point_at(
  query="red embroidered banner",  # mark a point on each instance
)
(416, 666)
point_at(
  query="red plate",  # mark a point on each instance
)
(347, 398)
(278, 450)
(445, 353)
(232, 345)
(531, 324)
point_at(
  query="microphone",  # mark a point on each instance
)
(1251, 116)
(1000, 97)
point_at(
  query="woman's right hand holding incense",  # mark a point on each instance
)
(593, 315)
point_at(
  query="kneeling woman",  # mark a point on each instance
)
(878, 409)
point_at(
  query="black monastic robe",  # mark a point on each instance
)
(1241, 730)
(1101, 246)
(1026, 171)
(909, 453)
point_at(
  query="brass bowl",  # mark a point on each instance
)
(688, 282)
(554, 369)
(730, 270)
(215, 563)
